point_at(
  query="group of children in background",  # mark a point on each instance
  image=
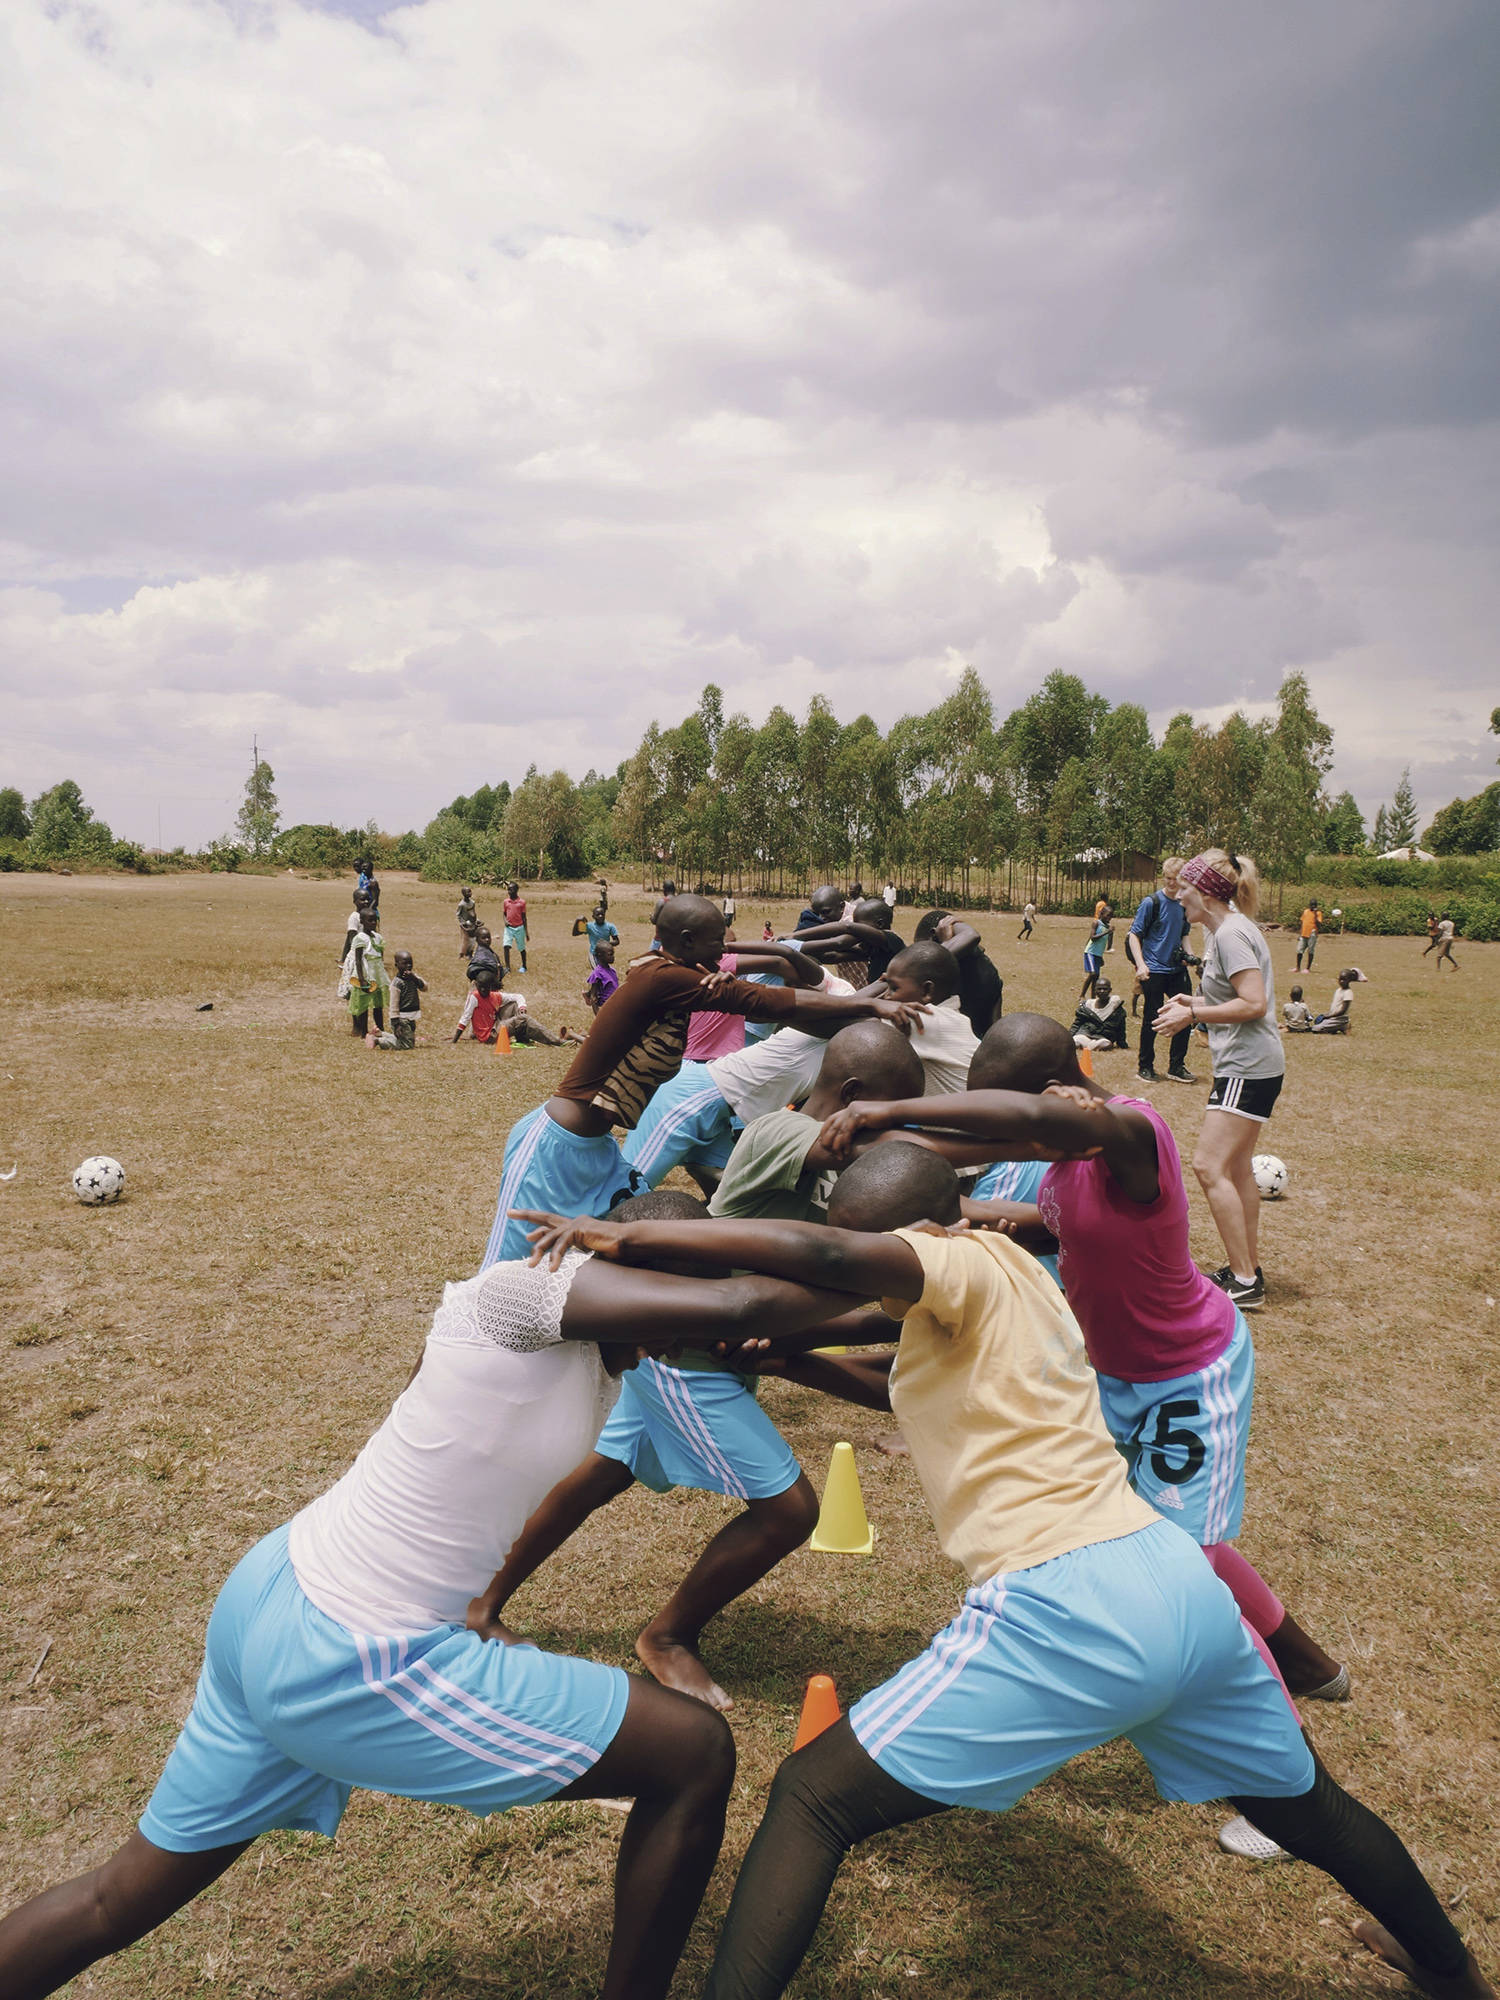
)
(384, 1010)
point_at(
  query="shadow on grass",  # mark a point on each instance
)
(764, 1653)
(1032, 1909)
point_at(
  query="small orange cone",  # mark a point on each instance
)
(1086, 1061)
(502, 1040)
(843, 1528)
(820, 1709)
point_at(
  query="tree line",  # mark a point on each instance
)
(1065, 785)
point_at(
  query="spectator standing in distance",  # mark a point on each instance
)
(1028, 923)
(1308, 929)
(1154, 943)
(1433, 940)
(468, 921)
(515, 923)
(888, 895)
(482, 958)
(1445, 942)
(603, 980)
(1237, 1003)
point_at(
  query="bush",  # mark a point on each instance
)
(1477, 917)
(130, 854)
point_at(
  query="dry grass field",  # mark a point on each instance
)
(183, 1371)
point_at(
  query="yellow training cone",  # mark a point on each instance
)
(842, 1528)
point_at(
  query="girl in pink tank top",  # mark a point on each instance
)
(1147, 1312)
(1172, 1351)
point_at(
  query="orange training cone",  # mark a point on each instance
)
(843, 1529)
(820, 1709)
(1086, 1061)
(502, 1040)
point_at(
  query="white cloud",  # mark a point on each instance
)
(440, 388)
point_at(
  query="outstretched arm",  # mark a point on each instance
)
(1060, 1124)
(854, 1378)
(840, 928)
(617, 1305)
(819, 1270)
(799, 968)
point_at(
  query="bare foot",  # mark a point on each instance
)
(678, 1666)
(1470, 1984)
(892, 1444)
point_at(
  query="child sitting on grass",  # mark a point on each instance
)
(1297, 1014)
(1337, 1020)
(407, 989)
(482, 1007)
(489, 1008)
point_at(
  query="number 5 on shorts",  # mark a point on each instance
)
(1170, 1439)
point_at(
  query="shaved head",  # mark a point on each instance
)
(1025, 1052)
(659, 1205)
(893, 1185)
(692, 929)
(827, 901)
(876, 1057)
(927, 964)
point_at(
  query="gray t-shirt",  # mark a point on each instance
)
(1241, 1048)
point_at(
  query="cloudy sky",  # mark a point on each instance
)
(439, 388)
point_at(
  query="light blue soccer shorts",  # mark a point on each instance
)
(1016, 1180)
(548, 1167)
(293, 1711)
(687, 1118)
(697, 1427)
(1184, 1440)
(1135, 1637)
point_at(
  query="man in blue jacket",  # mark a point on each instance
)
(1155, 946)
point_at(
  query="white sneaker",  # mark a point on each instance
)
(1249, 1843)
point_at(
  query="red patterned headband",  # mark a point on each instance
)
(1201, 874)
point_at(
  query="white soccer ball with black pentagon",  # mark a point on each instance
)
(1271, 1176)
(99, 1180)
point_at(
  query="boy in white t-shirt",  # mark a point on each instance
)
(345, 1648)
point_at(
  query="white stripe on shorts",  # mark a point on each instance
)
(510, 1184)
(918, 1686)
(1223, 1434)
(669, 1126)
(516, 1746)
(693, 1428)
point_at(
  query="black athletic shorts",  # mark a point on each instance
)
(1246, 1096)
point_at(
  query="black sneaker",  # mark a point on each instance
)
(1180, 1074)
(1249, 1298)
(1147, 1076)
(1223, 1277)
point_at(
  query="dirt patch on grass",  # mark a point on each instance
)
(181, 1372)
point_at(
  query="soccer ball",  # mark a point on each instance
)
(98, 1180)
(1271, 1176)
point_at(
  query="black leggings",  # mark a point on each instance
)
(831, 1795)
